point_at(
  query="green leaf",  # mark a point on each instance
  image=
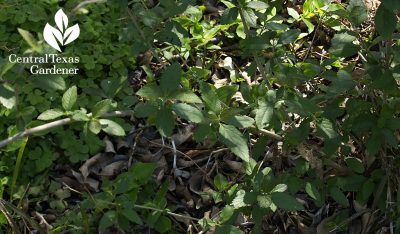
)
(69, 98)
(391, 4)
(163, 224)
(224, 229)
(220, 182)
(289, 36)
(385, 22)
(249, 17)
(165, 121)
(27, 36)
(257, 5)
(188, 112)
(355, 164)
(264, 201)
(144, 109)
(7, 97)
(312, 191)
(326, 129)
(210, 97)
(279, 188)
(80, 116)
(50, 82)
(357, 11)
(101, 108)
(170, 79)
(186, 96)
(286, 202)
(112, 127)
(150, 92)
(240, 121)
(226, 213)
(94, 126)
(132, 216)
(107, 220)
(339, 197)
(292, 12)
(264, 114)
(51, 114)
(225, 93)
(230, 15)
(343, 46)
(234, 140)
(201, 132)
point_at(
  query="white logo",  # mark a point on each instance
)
(63, 34)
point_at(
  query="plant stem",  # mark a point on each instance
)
(168, 212)
(57, 123)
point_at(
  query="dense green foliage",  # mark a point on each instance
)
(240, 77)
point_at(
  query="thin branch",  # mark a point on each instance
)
(168, 212)
(57, 123)
(267, 133)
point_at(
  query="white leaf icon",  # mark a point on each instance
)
(71, 33)
(61, 20)
(50, 34)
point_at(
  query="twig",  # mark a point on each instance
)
(267, 133)
(312, 41)
(168, 212)
(57, 123)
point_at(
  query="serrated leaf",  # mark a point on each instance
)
(355, 164)
(170, 78)
(165, 121)
(150, 92)
(107, 220)
(234, 140)
(249, 17)
(111, 127)
(94, 126)
(343, 46)
(187, 96)
(240, 121)
(144, 109)
(326, 129)
(101, 108)
(50, 82)
(225, 93)
(80, 116)
(188, 112)
(357, 11)
(264, 201)
(264, 114)
(210, 98)
(230, 15)
(385, 22)
(286, 202)
(51, 114)
(132, 216)
(69, 98)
